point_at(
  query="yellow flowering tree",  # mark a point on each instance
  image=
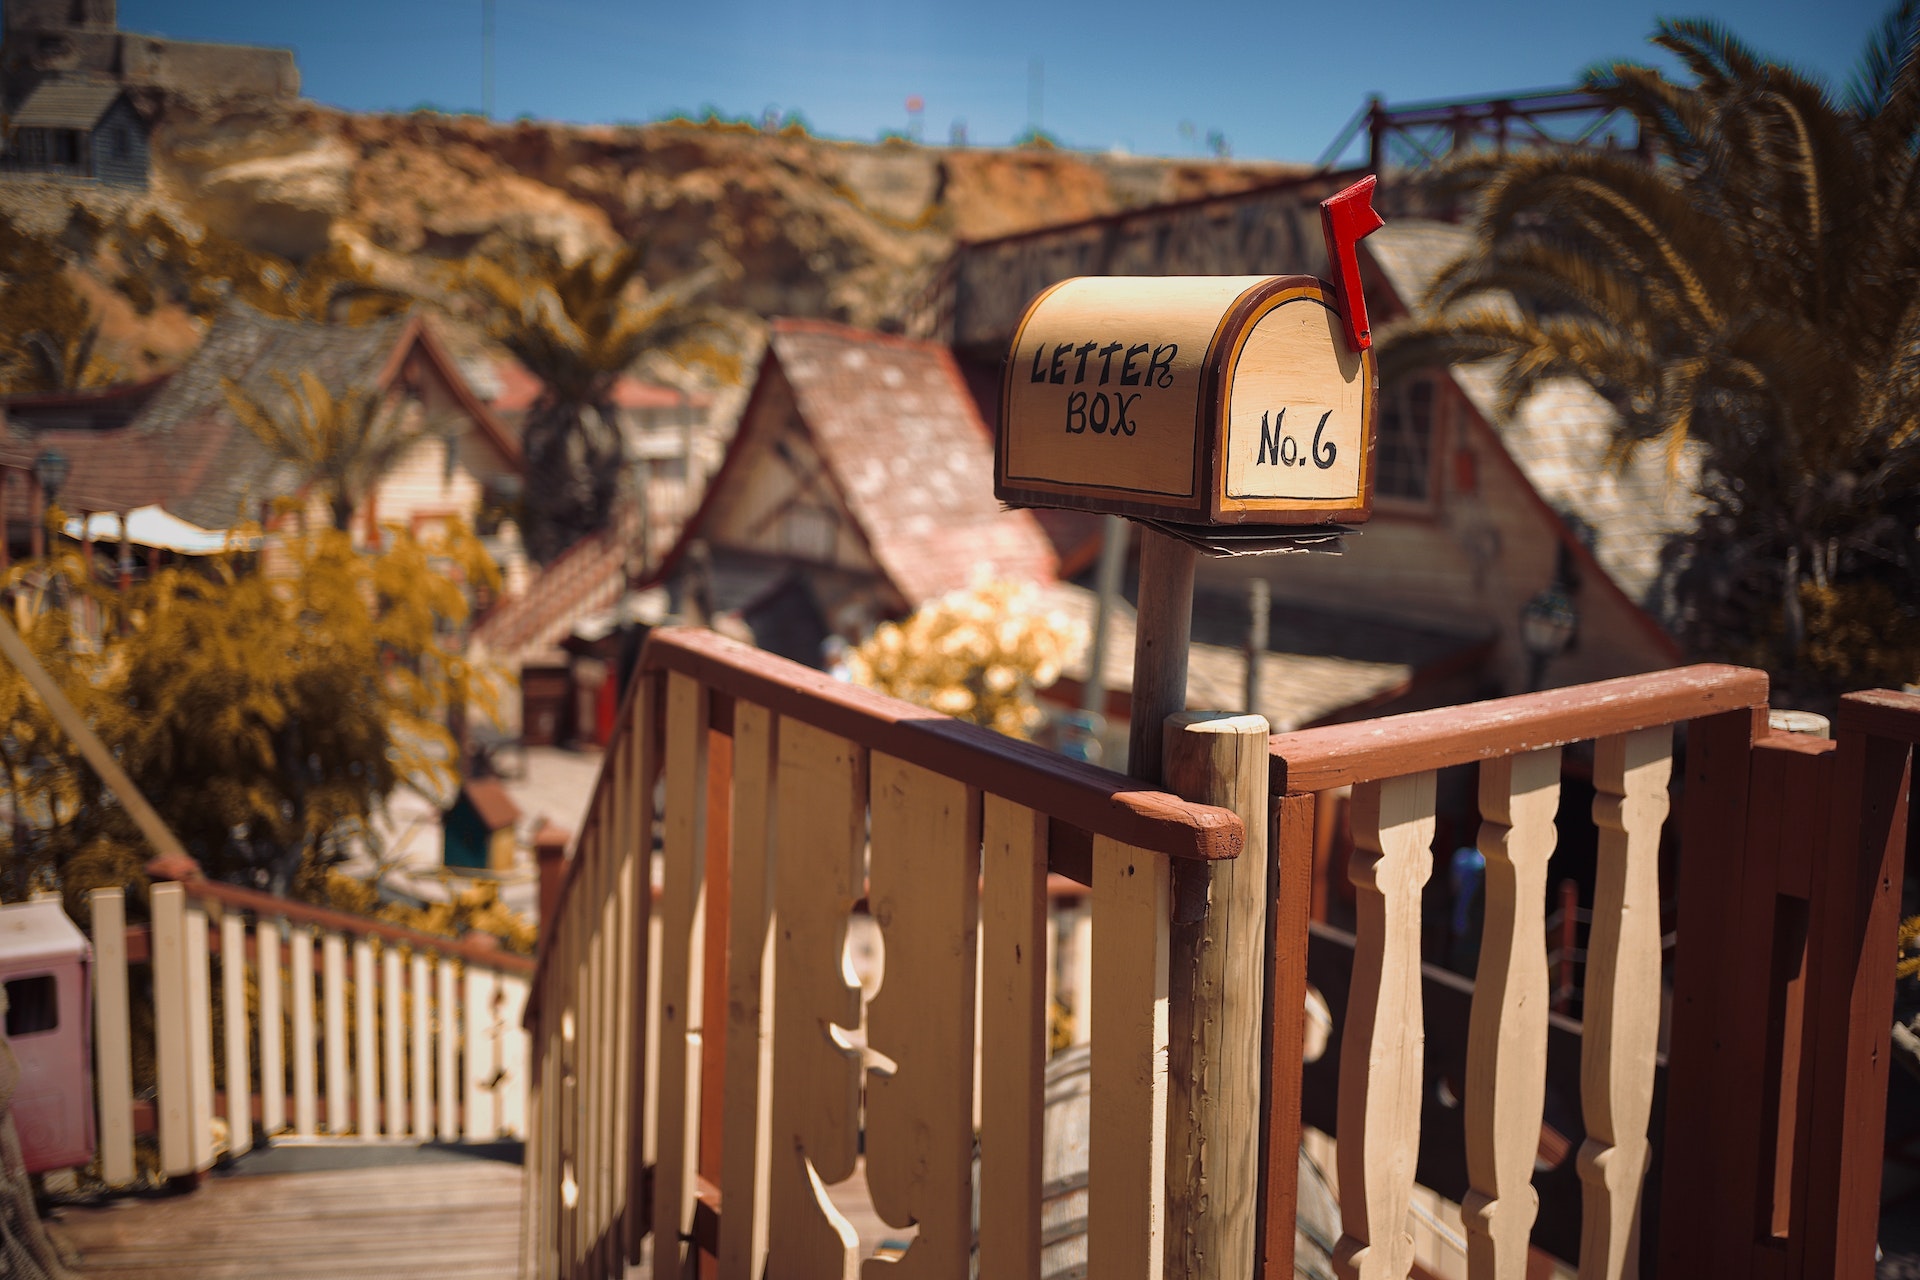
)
(978, 654)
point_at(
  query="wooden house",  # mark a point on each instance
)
(176, 443)
(78, 127)
(858, 487)
(477, 829)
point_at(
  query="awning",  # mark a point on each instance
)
(154, 527)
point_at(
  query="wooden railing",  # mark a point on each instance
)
(1788, 856)
(707, 1076)
(704, 1069)
(421, 1038)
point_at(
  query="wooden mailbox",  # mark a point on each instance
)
(1198, 400)
(1193, 399)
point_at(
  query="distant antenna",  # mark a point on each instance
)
(486, 58)
(1036, 94)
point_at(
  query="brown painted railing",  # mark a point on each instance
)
(703, 1069)
(1789, 855)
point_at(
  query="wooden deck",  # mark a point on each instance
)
(447, 1221)
(455, 1219)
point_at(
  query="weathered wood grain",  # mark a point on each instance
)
(1014, 937)
(923, 885)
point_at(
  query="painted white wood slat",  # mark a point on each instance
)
(393, 1039)
(366, 1061)
(233, 1024)
(447, 1033)
(480, 1041)
(1507, 1034)
(333, 959)
(420, 970)
(273, 1061)
(305, 1054)
(816, 1087)
(683, 911)
(747, 1137)
(1127, 1103)
(112, 1039)
(1622, 997)
(1014, 932)
(171, 1029)
(923, 886)
(511, 1093)
(1382, 1046)
(200, 1035)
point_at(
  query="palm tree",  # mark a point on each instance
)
(1750, 295)
(577, 328)
(341, 444)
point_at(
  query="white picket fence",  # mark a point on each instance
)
(390, 1035)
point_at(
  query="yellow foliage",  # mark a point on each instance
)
(477, 908)
(1907, 949)
(266, 718)
(977, 654)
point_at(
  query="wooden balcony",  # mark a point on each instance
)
(706, 1076)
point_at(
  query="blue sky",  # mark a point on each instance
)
(1277, 79)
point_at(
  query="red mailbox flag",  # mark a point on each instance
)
(1345, 220)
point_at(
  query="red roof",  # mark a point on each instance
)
(519, 389)
(491, 801)
(894, 422)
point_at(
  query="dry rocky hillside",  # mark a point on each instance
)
(798, 225)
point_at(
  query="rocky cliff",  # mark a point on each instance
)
(799, 225)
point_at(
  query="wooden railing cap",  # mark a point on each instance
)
(266, 906)
(1337, 755)
(1082, 795)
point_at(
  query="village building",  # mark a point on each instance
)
(77, 128)
(81, 39)
(175, 444)
(857, 488)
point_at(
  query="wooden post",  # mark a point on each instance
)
(111, 1036)
(1215, 999)
(1162, 633)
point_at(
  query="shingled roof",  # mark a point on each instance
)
(190, 414)
(894, 421)
(66, 104)
(1560, 436)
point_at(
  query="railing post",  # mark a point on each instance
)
(1855, 910)
(171, 1032)
(113, 1048)
(1709, 1046)
(1215, 1006)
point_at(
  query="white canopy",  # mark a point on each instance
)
(154, 527)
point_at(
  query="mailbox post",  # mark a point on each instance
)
(1232, 415)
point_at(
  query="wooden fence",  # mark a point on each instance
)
(704, 1069)
(280, 1018)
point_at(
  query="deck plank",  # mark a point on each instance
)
(458, 1220)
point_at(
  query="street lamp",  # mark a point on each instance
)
(50, 471)
(1547, 624)
(49, 474)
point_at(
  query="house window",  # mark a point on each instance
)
(1404, 452)
(33, 1006)
(810, 532)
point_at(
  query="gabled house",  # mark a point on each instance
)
(1477, 512)
(858, 487)
(173, 444)
(183, 450)
(78, 127)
